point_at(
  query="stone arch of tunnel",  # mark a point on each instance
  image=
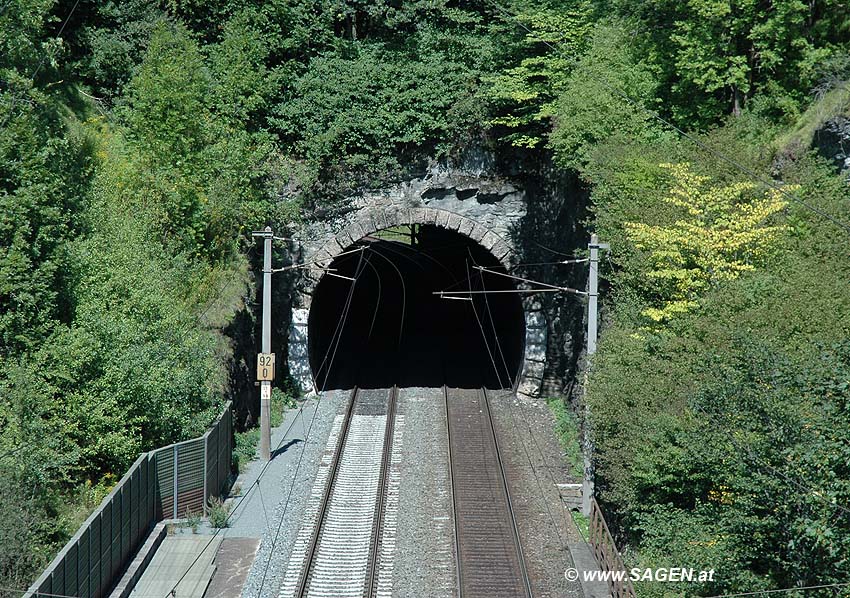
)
(388, 327)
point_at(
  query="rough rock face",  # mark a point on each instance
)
(832, 141)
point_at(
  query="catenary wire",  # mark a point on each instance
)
(783, 590)
(256, 483)
(337, 332)
(744, 450)
(242, 499)
(201, 317)
(743, 169)
(543, 284)
(36, 594)
(543, 497)
(357, 274)
(403, 295)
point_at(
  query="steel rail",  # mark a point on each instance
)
(314, 541)
(513, 566)
(504, 478)
(371, 577)
(452, 484)
(383, 484)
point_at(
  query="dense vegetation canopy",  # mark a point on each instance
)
(141, 140)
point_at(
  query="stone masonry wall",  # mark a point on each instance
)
(486, 208)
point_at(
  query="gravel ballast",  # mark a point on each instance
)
(421, 561)
(533, 464)
(425, 560)
(270, 513)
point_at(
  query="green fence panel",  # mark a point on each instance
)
(84, 564)
(89, 564)
(190, 478)
(95, 556)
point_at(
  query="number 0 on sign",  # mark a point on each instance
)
(265, 366)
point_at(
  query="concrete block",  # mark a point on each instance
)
(431, 216)
(570, 494)
(489, 240)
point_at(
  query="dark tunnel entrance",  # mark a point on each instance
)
(375, 321)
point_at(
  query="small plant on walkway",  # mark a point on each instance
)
(218, 511)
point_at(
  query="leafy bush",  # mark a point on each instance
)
(376, 110)
(717, 234)
(246, 445)
(218, 512)
(719, 437)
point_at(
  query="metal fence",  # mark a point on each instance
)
(192, 471)
(607, 556)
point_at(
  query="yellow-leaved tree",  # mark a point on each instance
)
(723, 232)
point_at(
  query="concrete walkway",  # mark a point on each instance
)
(233, 562)
(174, 556)
(585, 561)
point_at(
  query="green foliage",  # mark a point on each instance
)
(365, 115)
(166, 98)
(718, 233)
(525, 95)
(192, 521)
(199, 173)
(43, 180)
(245, 448)
(23, 39)
(590, 108)
(832, 103)
(713, 57)
(108, 328)
(112, 41)
(281, 402)
(582, 523)
(218, 512)
(244, 87)
(27, 525)
(569, 435)
(720, 440)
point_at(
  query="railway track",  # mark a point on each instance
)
(490, 561)
(345, 547)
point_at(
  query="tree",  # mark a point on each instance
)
(44, 174)
(721, 234)
(526, 91)
(715, 55)
(590, 108)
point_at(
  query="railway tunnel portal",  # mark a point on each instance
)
(415, 305)
(365, 310)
